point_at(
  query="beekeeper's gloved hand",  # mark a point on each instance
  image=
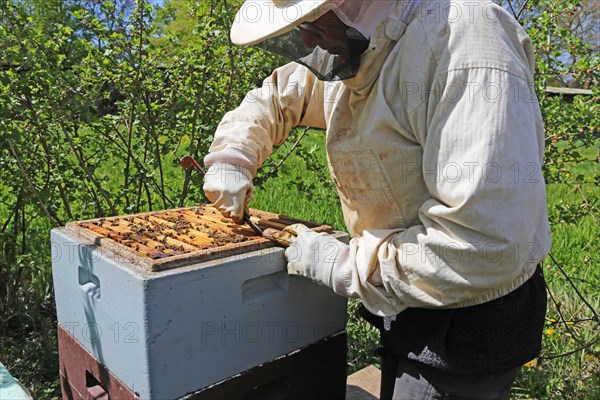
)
(228, 182)
(317, 256)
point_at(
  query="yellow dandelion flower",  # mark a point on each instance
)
(549, 331)
(570, 322)
(531, 363)
(591, 358)
(552, 320)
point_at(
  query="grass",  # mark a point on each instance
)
(567, 369)
(298, 191)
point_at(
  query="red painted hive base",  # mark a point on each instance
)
(317, 371)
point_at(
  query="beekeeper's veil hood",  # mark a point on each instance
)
(273, 25)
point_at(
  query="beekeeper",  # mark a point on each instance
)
(435, 143)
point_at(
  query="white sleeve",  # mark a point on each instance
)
(479, 231)
(291, 96)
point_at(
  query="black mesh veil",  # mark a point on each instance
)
(326, 66)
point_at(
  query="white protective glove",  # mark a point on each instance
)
(317, 256)
(229, 187)
(228, 181)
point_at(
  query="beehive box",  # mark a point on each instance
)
(174, 301)
(323, 364)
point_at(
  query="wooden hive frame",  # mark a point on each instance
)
(161, 240)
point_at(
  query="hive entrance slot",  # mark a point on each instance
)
(279, 389)
(94, 387)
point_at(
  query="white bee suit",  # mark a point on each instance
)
(436, 149)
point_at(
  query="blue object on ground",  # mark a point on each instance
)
(10, 388)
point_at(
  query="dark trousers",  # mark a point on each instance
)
(470, 353)
(403, 379)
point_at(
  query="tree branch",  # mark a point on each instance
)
(49, 213)
(272, 172)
